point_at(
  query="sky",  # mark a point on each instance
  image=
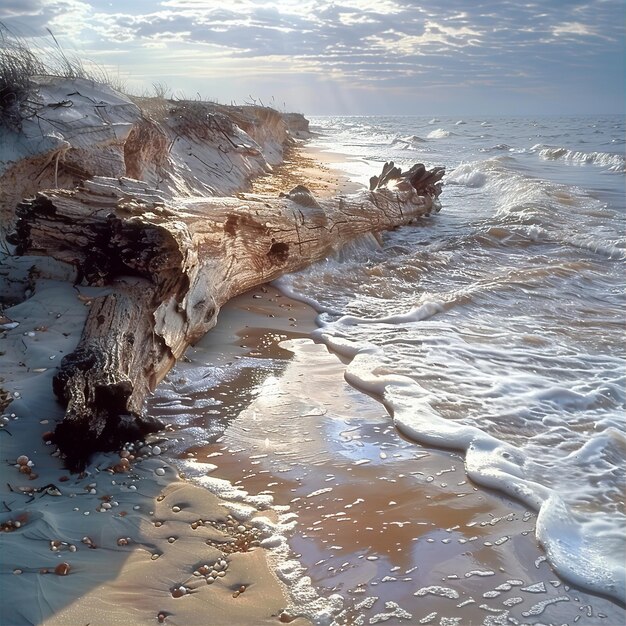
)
(358, 57)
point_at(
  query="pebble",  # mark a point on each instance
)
(159, 471)
(175, 509)
(156, 450)
(179, 592)
(62, 569)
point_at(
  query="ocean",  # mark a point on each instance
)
(492, 333)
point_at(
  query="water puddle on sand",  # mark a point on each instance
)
(397, 529)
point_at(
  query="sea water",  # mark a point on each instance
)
(497, 327)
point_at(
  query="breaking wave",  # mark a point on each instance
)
(611, 162)
(439, 133)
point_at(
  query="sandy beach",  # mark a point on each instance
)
(123, 540)
(127, 538)
(308, 166)
(277, 493)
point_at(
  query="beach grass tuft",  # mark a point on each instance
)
(21, 61)
(18, 65)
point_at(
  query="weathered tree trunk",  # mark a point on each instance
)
(186, 259)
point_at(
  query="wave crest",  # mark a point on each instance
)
(439, 133)
(612, 162)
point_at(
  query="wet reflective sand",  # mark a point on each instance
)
(395, 528)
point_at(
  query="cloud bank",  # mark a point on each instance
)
(354, 55)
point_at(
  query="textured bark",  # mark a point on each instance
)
(172, 265)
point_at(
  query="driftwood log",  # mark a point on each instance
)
(171, 264)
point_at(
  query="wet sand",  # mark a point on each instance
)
(395, 528)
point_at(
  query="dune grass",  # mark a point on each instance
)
(18, 65)
(21, 61)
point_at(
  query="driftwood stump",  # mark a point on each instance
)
(171, 265)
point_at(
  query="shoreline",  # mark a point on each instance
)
(49, 323)
(308, 166)
(120, 580)
(423, 538)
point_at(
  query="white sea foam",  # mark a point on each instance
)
(582, 549)
(610, 161)
(439, 133)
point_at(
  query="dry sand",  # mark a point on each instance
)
(304, 165)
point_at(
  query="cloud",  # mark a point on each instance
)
(574, 28)
(19, 8)
(31, 18)
(501, 43)
(434, 36)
